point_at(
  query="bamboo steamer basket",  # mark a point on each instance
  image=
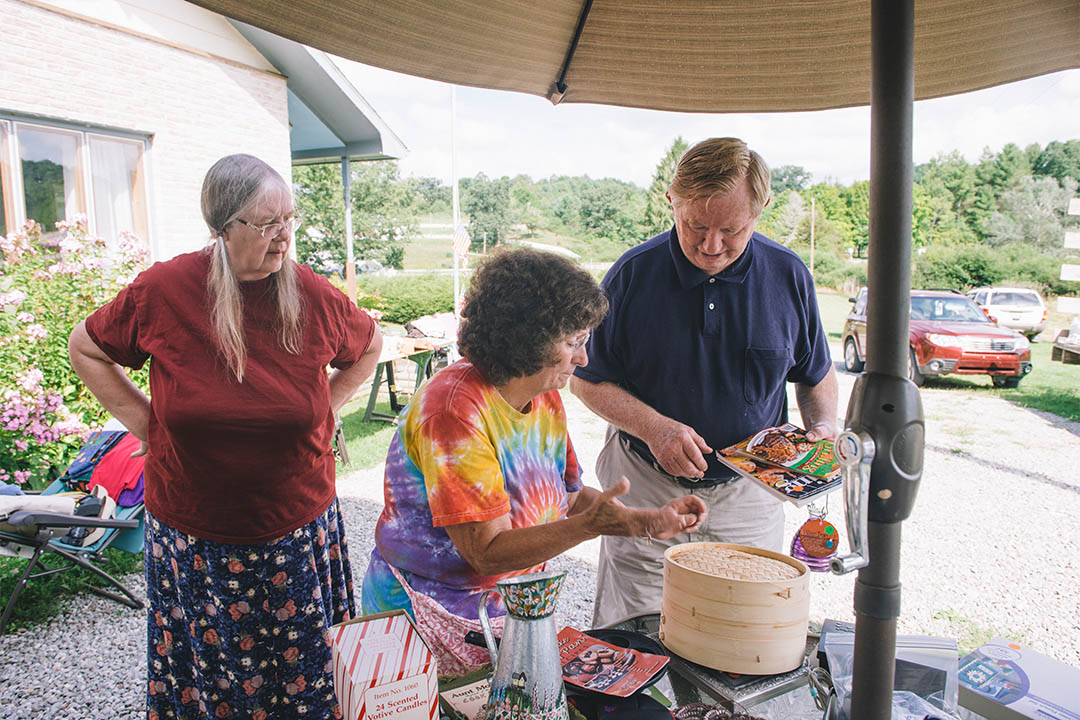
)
(752, 627)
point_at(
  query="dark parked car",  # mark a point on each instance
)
(948, 334)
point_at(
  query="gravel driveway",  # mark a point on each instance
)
(987, 551)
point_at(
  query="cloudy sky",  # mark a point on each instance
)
(503, 133)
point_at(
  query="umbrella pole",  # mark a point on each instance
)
(892, 94)
(885, 407)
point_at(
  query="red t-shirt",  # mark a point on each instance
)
(233, 462)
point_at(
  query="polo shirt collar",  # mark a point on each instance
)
(690, 276)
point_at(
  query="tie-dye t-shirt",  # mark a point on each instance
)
(463, 454)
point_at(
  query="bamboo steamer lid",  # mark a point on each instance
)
(735, 608)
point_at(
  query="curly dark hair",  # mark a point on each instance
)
(519, 303)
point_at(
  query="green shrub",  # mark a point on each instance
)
(828, 269)
(832, 270)
(962, 267)
(364, 300)
(403, 298)
(47, 285)
(1026, 265)
(957, 267)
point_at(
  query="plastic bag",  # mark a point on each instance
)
(795, 705)
(925, 683)
(906, 706)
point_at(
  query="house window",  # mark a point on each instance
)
(116, 176)
(50, 172)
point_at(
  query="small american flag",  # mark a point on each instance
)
(461, 241)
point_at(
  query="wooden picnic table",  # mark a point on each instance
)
(421, 352)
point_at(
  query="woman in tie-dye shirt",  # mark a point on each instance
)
(482, 482)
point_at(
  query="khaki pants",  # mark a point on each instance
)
(629, 579)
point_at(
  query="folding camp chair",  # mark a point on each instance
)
(33, 533)
(45, 527)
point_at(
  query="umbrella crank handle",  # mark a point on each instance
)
(856, 454)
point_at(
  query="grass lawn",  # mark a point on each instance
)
(365, 442)
(42, 598)
(428, 254)
(834, 310)
(429, 251)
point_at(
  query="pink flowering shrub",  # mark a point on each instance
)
(47, 285)
(374, 314)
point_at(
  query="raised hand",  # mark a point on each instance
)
(607, 515)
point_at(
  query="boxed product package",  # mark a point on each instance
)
(383, 669)
(463, 698)
(1003, 680)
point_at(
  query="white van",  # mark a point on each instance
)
(1021, 309)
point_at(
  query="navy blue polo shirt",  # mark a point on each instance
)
(712, 351)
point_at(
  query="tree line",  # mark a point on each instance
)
(1000, 218)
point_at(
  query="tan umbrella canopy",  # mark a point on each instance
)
(685, 55)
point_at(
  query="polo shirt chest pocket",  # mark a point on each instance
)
(764, 370)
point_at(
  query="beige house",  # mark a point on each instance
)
(116, 108)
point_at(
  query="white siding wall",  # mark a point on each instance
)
(175, 21)
(196, 108)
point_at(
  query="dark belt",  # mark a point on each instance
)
(641, 450)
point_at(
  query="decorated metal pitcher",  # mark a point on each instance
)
(527, 684)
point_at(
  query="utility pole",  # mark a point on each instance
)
(813, 217)
(456, 220)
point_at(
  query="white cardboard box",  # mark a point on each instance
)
(383, 669)
(1003, 680)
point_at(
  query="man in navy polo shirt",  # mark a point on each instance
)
(708, 323)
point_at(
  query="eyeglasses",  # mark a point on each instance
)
(580, 342)
(271, 230)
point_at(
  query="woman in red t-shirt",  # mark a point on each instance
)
(246, 563)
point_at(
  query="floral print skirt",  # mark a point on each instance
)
(242, 631)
